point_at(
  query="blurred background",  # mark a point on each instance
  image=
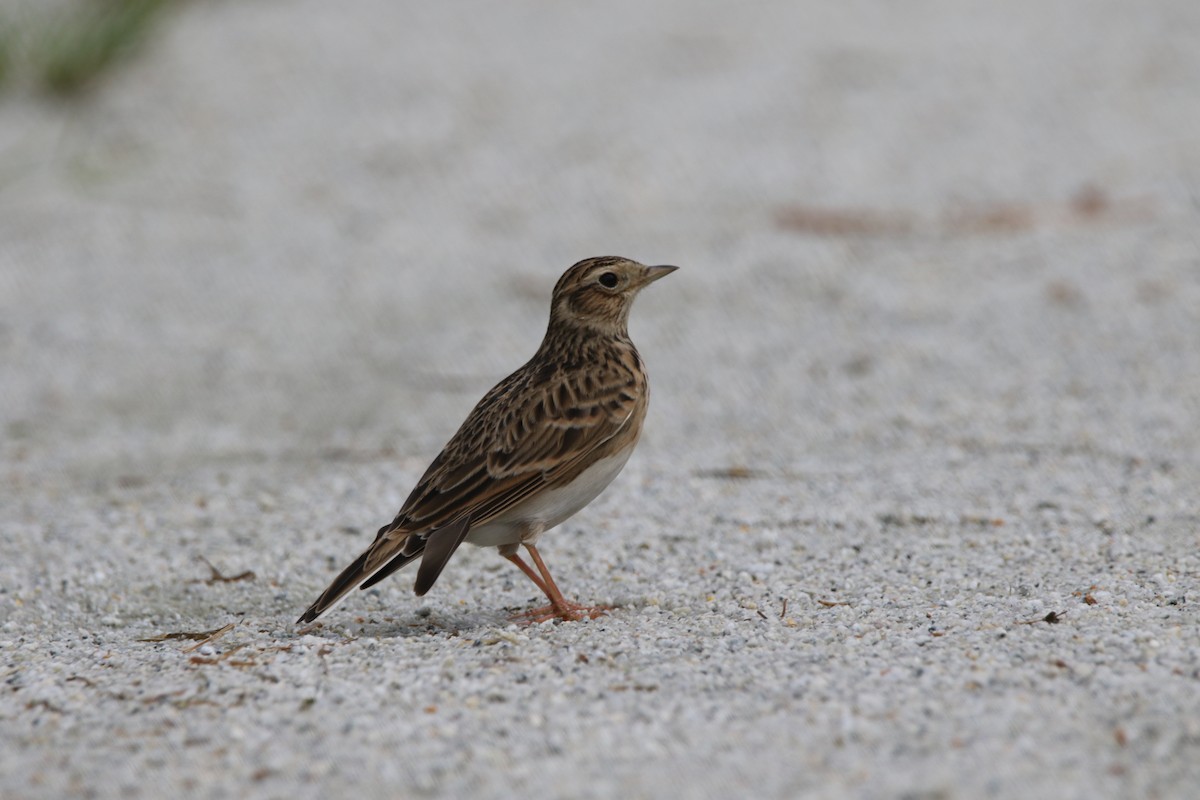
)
(929, 372)
(273, 229)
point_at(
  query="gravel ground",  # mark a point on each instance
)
(915, 514)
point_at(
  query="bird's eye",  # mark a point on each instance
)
(608, 280)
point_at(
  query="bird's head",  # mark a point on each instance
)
(598, 292)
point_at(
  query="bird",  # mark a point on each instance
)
(539, 447)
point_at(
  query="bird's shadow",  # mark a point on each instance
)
(448, 624)
(412, 625)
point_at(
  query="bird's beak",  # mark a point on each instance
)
(654, 273)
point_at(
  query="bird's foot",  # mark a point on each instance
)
(567, 612)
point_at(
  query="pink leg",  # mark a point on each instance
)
(528, 570)
(559, 606)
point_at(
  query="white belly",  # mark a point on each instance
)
(548, 508)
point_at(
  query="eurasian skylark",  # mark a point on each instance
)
(541, 445)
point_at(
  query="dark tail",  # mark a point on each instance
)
(437, 548)
(351, 578)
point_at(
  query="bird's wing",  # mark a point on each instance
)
(534, 428)
(529, 431)
(538, 427)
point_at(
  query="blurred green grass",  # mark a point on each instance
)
(69, 48)
(5, 50)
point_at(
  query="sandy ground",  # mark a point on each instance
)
(916, 511)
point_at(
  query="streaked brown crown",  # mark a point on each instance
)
(598, 292)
